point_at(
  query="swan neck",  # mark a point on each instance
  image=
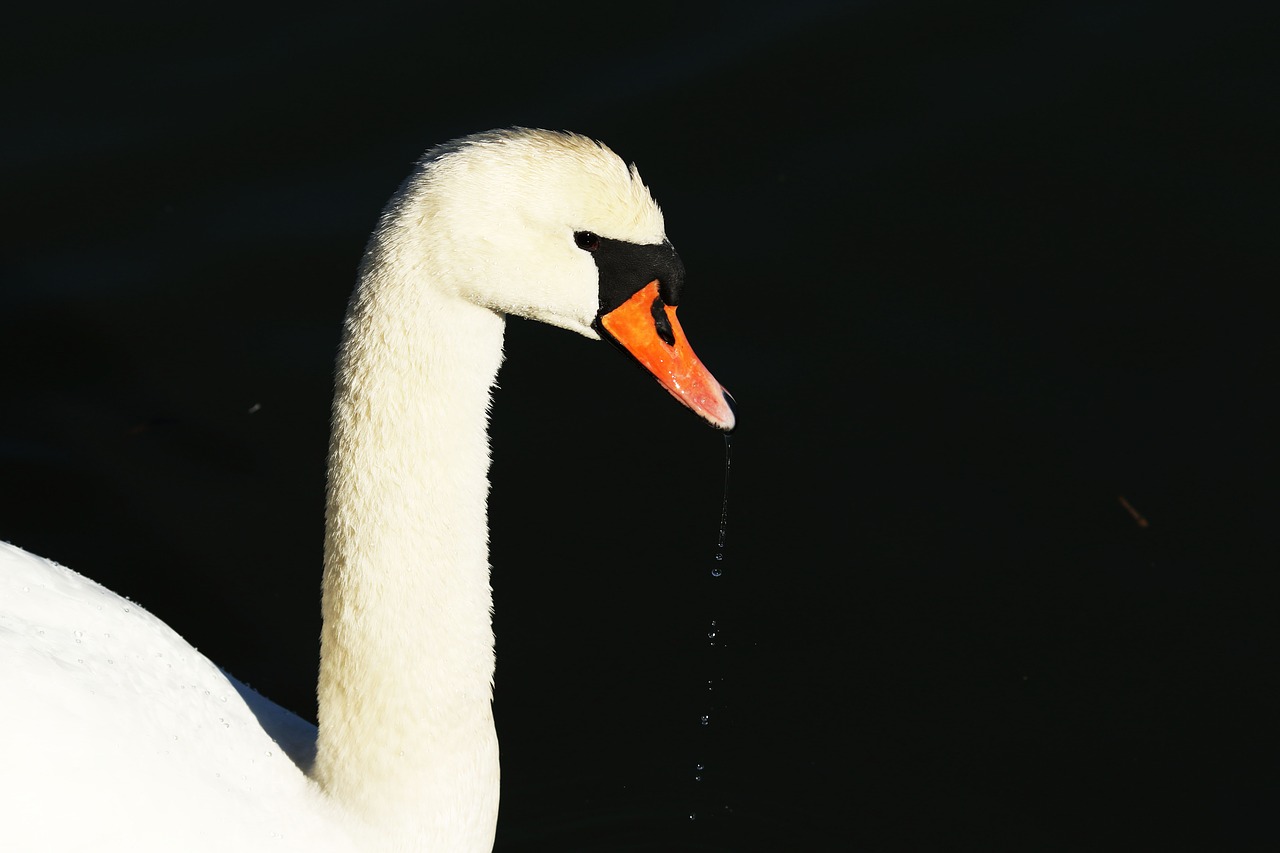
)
(406, 735)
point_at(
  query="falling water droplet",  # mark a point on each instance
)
(703, 791)
(724, 501)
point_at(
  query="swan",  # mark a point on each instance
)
(115, 734)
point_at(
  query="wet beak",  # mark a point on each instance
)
(648, 330)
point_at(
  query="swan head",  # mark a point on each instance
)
(555, 227)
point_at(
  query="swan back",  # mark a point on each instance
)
(116, 773)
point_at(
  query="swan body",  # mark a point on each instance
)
(118, 735)
(115, 734)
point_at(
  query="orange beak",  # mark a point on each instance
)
(638, 326)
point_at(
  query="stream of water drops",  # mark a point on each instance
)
(708, 796)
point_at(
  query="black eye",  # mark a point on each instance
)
(586, 240)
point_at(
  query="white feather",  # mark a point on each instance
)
(116, 735)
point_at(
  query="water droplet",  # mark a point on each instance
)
(705, 719)
(693, 816)
(715, 573)
(699, 767)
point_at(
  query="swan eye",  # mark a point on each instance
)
(586, 240)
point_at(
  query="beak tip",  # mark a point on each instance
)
(727, 420)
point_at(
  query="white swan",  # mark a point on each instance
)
(117, 735)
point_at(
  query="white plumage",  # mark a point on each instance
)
(116, 735)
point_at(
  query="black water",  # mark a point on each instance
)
(986, 280)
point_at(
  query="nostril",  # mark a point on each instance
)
(662, 323)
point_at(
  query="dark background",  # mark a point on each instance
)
(988, 280)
